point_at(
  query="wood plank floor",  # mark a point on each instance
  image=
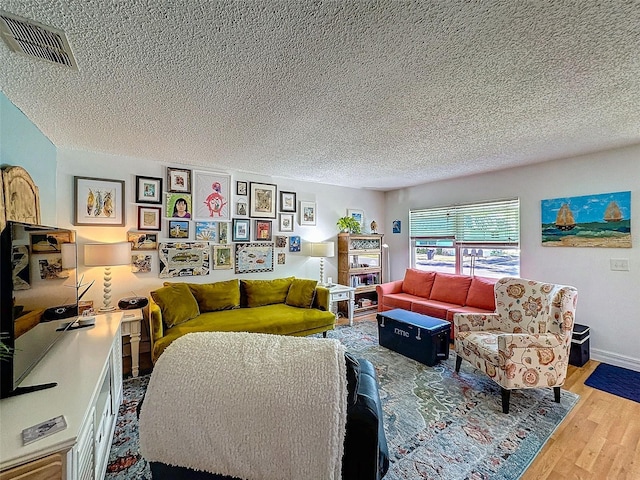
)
(599, 439)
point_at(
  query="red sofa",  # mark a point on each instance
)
(437, 294)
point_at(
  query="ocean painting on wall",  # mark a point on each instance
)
(602, 220)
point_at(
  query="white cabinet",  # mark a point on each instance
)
(87, 365)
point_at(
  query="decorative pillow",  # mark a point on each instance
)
(265, 292)
(216, 296)
(301, 293)
(481, 294)
(450, 288)
(176, 303)
(418, 282)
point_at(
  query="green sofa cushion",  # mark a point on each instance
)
(301, 293)
(176, 303)
(265, 292)
(212, 297)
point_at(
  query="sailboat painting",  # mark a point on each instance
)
(602, 220)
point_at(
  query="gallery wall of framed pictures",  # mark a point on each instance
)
(193, 211)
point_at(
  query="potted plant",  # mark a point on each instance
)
(348, 224)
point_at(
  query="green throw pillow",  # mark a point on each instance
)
(216, 296)
(301, 293)
(266, 292)
(176, 303)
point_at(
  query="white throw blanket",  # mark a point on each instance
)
(248, 405)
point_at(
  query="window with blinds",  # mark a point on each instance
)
(479, 238)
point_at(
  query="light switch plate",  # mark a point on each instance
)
(619, 264)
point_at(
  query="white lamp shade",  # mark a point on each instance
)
(107, 254)
(68, 252)
(322, 249)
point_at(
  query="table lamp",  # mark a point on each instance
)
(322, 250)
(107, 255)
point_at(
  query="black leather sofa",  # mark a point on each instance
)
(366, 455)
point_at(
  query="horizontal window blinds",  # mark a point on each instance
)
(496, 221)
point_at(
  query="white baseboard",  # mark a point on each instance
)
(615, 359)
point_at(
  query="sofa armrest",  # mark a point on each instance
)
(321, 299)
(366, 454)
(389, 287)
(156, 328)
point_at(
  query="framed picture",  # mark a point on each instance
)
(207, 231)
(263, 230)
(240, 230)
(179, 229)
(98, 202)
(241, 207)
(286, 222)
(48, 242)
(141, 263)
(358, 216)
(179, 205)
(307, 213)
(142, 240)
(222, 257)
(178, 180)
(281, 258)
(148, 189)
(397, 226)
(223, 232)
(294, 243)
(262, 200)
(149, 218)
(287, 201)
(241, 188)
(211, 195)
(254, 257)
(281, 241)
(183, 259)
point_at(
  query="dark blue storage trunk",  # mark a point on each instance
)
(417, 336)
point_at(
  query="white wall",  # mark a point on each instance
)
(608, 301)
(332, 203)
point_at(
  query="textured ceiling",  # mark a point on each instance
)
(379, 94)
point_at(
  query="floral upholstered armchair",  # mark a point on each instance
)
(526, 342)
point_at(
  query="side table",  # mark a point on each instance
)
(338, 293)
(132, 326)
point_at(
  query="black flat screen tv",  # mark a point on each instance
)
(38, 298)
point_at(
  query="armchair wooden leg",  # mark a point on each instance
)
(556, 394)
(458, 363)
(506, 394)
(324, 334)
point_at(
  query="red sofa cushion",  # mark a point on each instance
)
(481, 293)
(432, 308)
(398, 300)
(418, 282)
(450, 288)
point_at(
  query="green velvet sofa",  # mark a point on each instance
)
(284, 306)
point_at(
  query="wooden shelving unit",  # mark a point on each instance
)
(360, 266)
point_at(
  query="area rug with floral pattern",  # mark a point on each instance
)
(439, 424)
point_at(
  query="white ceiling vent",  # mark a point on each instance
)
(36, 40)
